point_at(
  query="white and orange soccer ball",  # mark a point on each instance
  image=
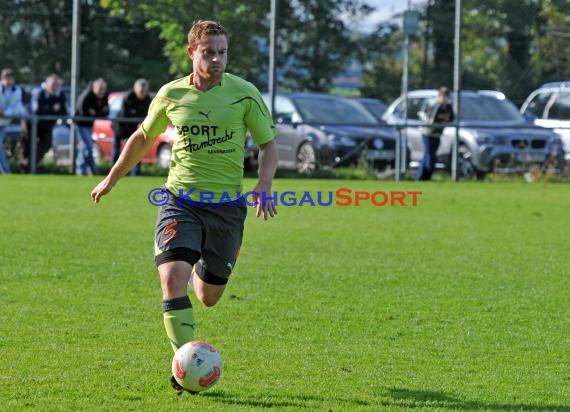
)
(197, 366)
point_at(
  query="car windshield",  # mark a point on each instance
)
(377, 109)
(489, 108)
(333, 111)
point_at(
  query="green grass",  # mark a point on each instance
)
(459, 303)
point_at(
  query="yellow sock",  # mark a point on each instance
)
(178, 321)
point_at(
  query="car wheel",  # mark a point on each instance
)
(163, 156)
(466, 169)
(307, 159)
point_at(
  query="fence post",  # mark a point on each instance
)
(398, 149)
(34, 146)
(456, 89)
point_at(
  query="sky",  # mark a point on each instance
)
(385, 9)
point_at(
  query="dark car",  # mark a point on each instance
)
(493, 135)
(376, 107)
(318, 130)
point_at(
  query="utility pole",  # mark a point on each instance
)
(411, 20)
(456, 89)
(75, 61)
(272, 52)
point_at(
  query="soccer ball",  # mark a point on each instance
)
(197, 366)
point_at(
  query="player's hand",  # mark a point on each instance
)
(100, 190)
(263, 204)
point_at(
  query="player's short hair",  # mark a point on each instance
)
(201, 28)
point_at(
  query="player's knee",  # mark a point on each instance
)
(210, 287)
(209, 294)
(208, 300)
(173, 280)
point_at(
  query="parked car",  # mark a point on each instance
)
(549, 106)
(318, 130)
(376, 107)
(493, 135)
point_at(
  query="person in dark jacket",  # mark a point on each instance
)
(11, 104)
(135, 105)
(434, 118)
(94, 103)
(49, 99)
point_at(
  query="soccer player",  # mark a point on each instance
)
(196, 241)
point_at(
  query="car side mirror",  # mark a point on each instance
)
(529, 117)
(295, 119)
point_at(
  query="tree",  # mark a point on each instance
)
(498, 38)
(38, 41)
(382, 75)
(246, 22)
(500, 41)
(442, 14)
(550, 49)
(35, 35)
(381, 54)
(314, 42)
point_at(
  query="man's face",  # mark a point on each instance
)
(442, 98)
(141, 90)
(8, 80)
(52, 84)
(99, 88)
(210, 56)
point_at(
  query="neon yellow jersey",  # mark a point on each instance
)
(208, 151)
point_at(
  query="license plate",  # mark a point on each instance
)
(531, 157)
(380, 154)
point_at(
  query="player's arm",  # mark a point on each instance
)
(135, 148)
(267, 167)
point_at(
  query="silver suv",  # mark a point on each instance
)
(493, 135)
(549, 106)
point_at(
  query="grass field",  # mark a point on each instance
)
(459, 303)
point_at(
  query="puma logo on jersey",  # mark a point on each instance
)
(206, 115)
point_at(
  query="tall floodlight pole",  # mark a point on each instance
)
(272, 52)
(405, 75)
(411, 21)
(404, 131)
(456, 88)
(74, 78)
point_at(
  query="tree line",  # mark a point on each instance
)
(508, 45)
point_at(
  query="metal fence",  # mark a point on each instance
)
(66, 121)
(513, 153)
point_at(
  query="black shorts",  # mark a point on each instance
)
(213, 232)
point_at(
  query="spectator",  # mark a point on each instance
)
(93, 102)
(434, 118)
(135, 104)
(49, 99)
(11, 104)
